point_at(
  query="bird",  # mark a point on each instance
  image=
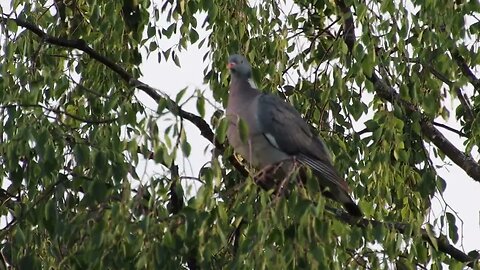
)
(276, 133)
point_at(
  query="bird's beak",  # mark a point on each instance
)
(230, 65)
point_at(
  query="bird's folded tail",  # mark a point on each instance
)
(336, 188)
(353, 209)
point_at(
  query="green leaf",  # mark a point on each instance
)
(153, 46)
(98, 191)
(20, 238)
(12, 26)
(29, 262)
(193, 36)
(452, 227)
(50, 210)
(431, 236)
(50, 216)
(371, 125)
(100, 162)
(474, 254)
(181, 3)
(201, 106)
(180, 94)
(82, 154)
(162, 104)
(176, 60)
(221, 131)
(368, 64)
(166, 54)
(186, 148)
(243, 130)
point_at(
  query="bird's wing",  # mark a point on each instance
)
(286, 130)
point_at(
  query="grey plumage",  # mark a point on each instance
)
(277, 132)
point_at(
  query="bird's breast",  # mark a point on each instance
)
(256, 149)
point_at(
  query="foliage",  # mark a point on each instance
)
(73, 133)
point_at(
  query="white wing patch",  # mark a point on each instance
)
(271, 140)
(252, 83)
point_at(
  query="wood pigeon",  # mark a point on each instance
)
(277, 134)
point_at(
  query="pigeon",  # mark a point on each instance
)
(276, 133)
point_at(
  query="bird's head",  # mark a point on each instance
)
(239, 66)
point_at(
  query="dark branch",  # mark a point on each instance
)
(468, 116)
(467, 163)
(348, 25)
(441, 241)
(462, 64)
(450, 129)
(81, 45)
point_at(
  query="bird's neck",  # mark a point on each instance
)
(243, 84)
(241, 94)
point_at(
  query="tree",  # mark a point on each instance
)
(373, 78)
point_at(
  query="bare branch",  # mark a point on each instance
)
(450, 129)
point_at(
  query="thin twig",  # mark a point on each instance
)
(450, 129)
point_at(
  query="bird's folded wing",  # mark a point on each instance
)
(286, 130)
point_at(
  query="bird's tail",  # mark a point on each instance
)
(344, 198)
(334, 186)
(353, 209)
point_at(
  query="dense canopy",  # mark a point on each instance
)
(382, 81)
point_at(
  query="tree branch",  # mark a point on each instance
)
(462, 64)
(348, 25)
(467, 163)
(81, 45)
(449, 129)
(467, 107)
(441, 241)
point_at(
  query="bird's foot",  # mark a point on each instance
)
(266, 177)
